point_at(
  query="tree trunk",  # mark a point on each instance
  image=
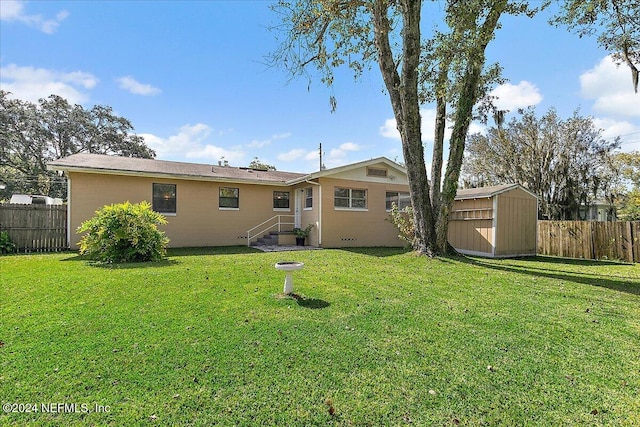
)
(463, 115)
(438, 153)
(403, 92)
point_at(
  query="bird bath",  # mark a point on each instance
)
(289, 267)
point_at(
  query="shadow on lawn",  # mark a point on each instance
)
(123, 265)
(379, 252)
(312, 303)
(617, 283)
(212, 250)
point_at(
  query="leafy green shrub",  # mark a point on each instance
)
(124, 233)
(6, 244)
(403, 220)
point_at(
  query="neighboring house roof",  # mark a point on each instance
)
(98, 163)
(486, 192)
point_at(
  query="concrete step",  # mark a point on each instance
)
(271, 239)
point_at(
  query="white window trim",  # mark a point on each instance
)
(340, 208)
(398, 192)
(228, 209)
(282, 209)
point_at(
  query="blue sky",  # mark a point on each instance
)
(192, 79)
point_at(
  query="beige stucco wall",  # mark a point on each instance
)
(517, 220)
(353, 228)
(198, 220)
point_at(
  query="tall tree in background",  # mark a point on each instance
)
(258, 164)
(326, 34)
(627, 166)
(566, 163)
(616, 23)
(31, 135)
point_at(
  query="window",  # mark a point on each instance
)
(350, 198)
(377, 172)
(229, 198)
(164, 198)
(281, 200)
(308, 198)
(401, 199)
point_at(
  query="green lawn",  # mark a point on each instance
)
(373, 337)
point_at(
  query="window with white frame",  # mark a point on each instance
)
(229, 198)
(308, 198)
(350, 198)
(281, 200)
(399, 198)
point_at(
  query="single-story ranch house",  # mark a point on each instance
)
(219, 205)
(216, 205)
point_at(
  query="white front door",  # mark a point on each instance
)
(298, 207)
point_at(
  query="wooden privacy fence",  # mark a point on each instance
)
(38, 228)
(613, 240)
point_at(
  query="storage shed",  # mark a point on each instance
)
(498, 221)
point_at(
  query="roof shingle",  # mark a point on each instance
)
(131, 165)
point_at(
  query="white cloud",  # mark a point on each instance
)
(476, 127)
(612, 128)
(212, 153)
(14, 11)
(259, 143)
(629, 133)
(312, 155)
(132, 85)
(290, 156)
(191, 143)
(341, 152)
(609, 85)
(390, 129)
(511, 97)
(31, 84)
(282, 135)
(428, 118)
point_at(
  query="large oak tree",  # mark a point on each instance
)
(31, 135)
(448, 67)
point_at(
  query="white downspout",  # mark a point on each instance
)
(319, 210)
(69, 211)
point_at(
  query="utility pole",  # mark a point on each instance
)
(322, 166)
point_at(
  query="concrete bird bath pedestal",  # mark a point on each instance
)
(289, 267)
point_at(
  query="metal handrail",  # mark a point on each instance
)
(279, 223)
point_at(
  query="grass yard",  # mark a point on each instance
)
(374, 337)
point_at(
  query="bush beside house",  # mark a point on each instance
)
(124, 232)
